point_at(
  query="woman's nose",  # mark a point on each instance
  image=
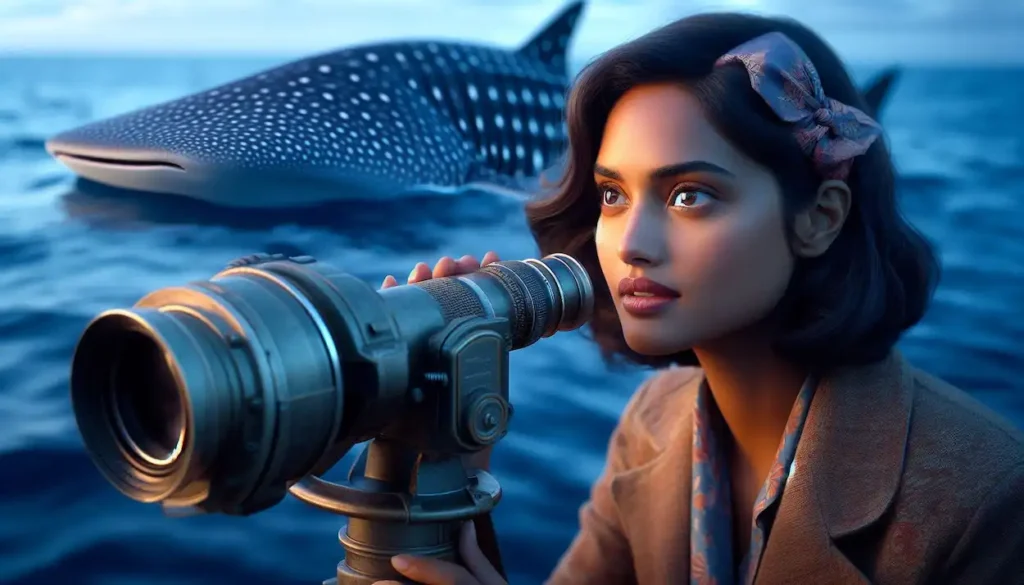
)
(643, 241)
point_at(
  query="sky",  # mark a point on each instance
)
(863, 31)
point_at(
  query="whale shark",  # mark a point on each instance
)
(374, 121)
(369, 121)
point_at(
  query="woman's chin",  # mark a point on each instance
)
(646, 341)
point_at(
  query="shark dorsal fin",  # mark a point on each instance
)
(876, 92)
(550, 44)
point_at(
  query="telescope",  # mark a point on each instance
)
(221, 396)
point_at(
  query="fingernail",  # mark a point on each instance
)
(412, 275)
(400, 562)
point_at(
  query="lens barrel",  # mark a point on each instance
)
(221, 393)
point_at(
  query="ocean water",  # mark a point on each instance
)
(68, 251)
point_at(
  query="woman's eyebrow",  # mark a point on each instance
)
(671, 170)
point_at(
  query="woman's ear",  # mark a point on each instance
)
(819, 225)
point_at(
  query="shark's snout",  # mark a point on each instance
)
(119, 165)
(84, 158)
(133, 151)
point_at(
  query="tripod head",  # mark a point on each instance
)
(221, 396)
(409, 491)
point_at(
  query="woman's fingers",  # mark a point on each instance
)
(490, 258)
(419, 272)
(474, 559)
(477, 570)
(432, 571)
(467, 264)
(446, 266)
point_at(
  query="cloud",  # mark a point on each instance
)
(871, 30)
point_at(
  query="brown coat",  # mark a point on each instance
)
(899, 478)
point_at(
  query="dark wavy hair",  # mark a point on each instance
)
(848, 306)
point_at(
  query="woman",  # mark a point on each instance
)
(723, 177)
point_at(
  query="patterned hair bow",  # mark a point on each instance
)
(831, 133)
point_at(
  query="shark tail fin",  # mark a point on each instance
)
(877, 91)
(550, 44)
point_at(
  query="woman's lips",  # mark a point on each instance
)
(643, 296)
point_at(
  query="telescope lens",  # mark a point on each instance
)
(145, 400)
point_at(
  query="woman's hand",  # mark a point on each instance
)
(477, 569)
(445, 267)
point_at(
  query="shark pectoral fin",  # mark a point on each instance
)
(550, 44)
(877, 91)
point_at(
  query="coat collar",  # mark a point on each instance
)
(862, 420)
(849, 464)
(855, 436)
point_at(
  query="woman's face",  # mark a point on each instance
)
(683, 208)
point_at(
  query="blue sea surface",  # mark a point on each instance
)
(68, 252)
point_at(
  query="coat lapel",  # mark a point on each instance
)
(847, 470)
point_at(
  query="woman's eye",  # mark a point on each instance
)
(690, 198)
(611, 197)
